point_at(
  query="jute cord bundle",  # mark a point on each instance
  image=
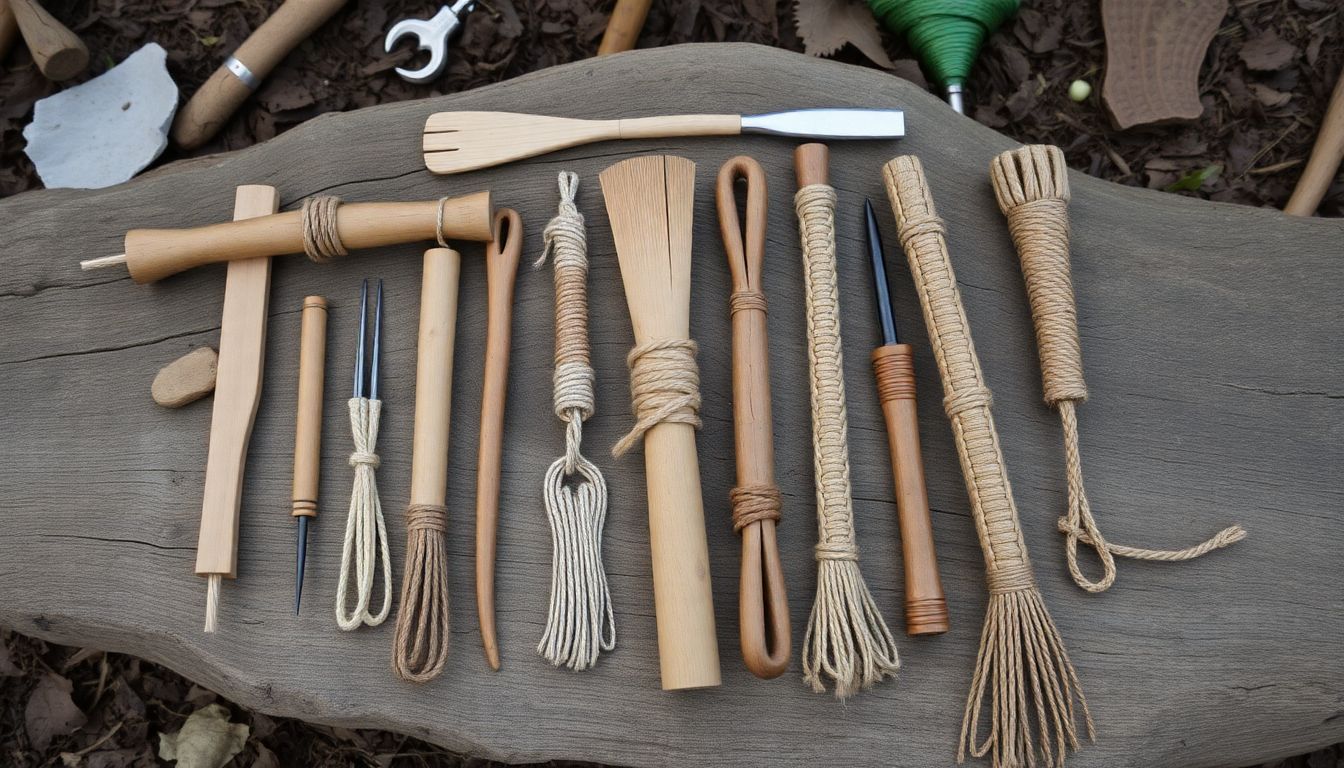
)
(1032, 188)
(580, 623)
(664, 387)
(322, 235)
(1023, 671)
(420, 642)
(365, 544)
(847, 639)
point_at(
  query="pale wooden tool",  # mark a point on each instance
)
(623, 28)
(649, 201)
(153, 254)
(242, 353)
(1326, 155)
(9, 29)
(454, 142)
(220, 96)
(59, 53)
(308, 428)
(763, 605)
(501, 264)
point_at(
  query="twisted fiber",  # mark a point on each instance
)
(664, 387)
(753, 503)
(846, 639)
(321, 238)
(1031, 185)
(580, 623)
(420, 643)
(365, 543)
(744, 301)
(1022, 668)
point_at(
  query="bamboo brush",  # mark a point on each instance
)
(649, 200)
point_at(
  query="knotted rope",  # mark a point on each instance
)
(1022, 670)
(321, 238)
(1032, 187)
(846, 638)
(580, 623)
(664, 387)
(365, 531)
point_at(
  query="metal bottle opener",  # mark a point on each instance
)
(431, 35)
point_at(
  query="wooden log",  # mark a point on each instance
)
(1210, 334)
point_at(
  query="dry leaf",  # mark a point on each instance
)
(1270, 97)
(7, 666)
(1267, 52)
(51, 712)
(826, 26)
(207, 739)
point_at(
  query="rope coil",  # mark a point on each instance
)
(664, 387)
(365, 543)
(321, 238)
(420, 642)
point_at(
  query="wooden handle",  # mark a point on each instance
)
(761, 593)
(501, 264)
(1326, 155)
(59, 53)
(925, 604)
(811, 164)
(434, 376)
(623, 28)
(308, 422)
(242, 352)
(9, 29)
(212, 105)
(679, 125)
(153, 254)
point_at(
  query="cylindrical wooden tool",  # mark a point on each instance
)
(501, 264)
(1326, 155)
(649, 201)
(624, 26)
(763, 606)
(241, 74)
(9, 29)
(59, 53)
(420, 645)
(308, 422)
(153, 254)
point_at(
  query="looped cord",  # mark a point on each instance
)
(361, 458)
(664, 387)
(753, 503)
(365, 543)
(321, 237)
(438, 223)
(742, 301)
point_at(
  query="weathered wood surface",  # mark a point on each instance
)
(1211, 338)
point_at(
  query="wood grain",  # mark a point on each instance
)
(1154, 49)
(1211, 337)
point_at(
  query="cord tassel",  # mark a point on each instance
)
(365, 543)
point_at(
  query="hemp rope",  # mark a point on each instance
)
(1022, 669)
(752, 503)
(322, 236)
(1031, 185)
(365, 530)
(580, 623)
(846, 638)
(664, 387)
(420, 642)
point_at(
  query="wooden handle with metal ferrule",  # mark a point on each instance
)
(501, 264)
(624, 26)
(9, 29)
(220, 96)
(308, 421)
(59, 53)
(1326, 155)
(153, 254)
(925, 603)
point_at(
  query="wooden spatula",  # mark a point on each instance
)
(466, 141)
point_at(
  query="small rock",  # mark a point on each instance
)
(186, 379)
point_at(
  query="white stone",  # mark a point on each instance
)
(104, 131)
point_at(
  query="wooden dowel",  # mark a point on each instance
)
(624, 26)
(1326, 155)
(59, 53)
(153, 254)
(501, 264)
(434, 376)
(308, 422)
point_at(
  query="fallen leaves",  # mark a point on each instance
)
(1267, 52)
(51, 712)
(207, 739)
(826, 26)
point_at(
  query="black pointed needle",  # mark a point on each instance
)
(363, 329)
(299, 562)
(885, 315)
(377, 342)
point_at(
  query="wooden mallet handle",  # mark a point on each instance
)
(925, 604)
(308, 423)
(59, 53)
(219, 97)
(624, 26)
(434, 376)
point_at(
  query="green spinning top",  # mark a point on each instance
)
(945, 34)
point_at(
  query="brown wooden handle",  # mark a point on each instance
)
(9, 29)
(811, 163)
(925, 604)
(501, 265)
(212, 105)
(308, 421)
(1326, 155)
(434, 376)
(624, 26)
(59, 53)
(153, 254)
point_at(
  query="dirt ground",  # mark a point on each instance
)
(1265, 84)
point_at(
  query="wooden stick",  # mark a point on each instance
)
(9, 29)
(761, 593)
(308, 421)
(1326, 155)
(501, 263)
(153, 254)
(215, 101)
(624, 26)
(59, 53)
(242, 352)
(650, 201)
